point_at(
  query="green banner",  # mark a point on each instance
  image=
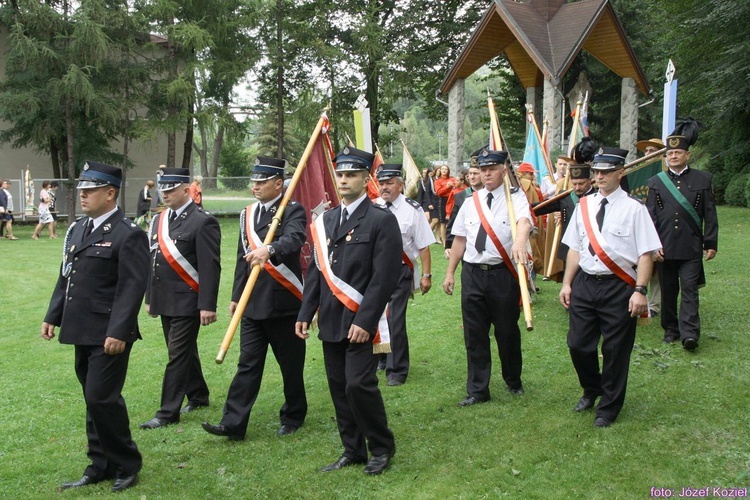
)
(638, 180)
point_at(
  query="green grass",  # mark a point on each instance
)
(685, 420)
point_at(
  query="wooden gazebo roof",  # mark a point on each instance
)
(541, 38)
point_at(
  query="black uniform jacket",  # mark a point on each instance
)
(107, 273)
(679, 239)
(270, 299)
(197, 236)
(366, 254)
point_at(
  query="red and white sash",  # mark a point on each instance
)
(280, 273)
(603, 250)
(485, 215)
(175, 259)
(345, 293)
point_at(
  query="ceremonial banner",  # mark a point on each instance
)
(316, 187)
(534, 155)
(411, 173)
(638, 180)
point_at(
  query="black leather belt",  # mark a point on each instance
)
(487, 267)
(603, 277)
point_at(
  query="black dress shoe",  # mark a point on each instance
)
(155, 423)
(84, 481)
(394, 382)
(471, 400)
(603, 422)
(377, 464)
(668, 339)
(220, 430)
(286, 429)
(123, 483)
(516, 391)
(342, 462)
(192, 407)
(690, 344)
(584, 404)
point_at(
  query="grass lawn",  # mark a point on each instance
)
(684, 422)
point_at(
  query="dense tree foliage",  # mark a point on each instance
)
(86, 77)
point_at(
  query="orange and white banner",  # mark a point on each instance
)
(176, 260)
(603, 250)
(281, 272)
(345, 293)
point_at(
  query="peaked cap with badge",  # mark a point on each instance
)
(351, 159)
(95, 174)
(267, 168)
(389, 171)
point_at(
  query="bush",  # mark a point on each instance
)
(737, 192)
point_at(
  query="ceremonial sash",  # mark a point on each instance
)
(175, 259)
(575, 198)
(485, 215)
(345, 293)
(281, 273)
(412, 264)
(619, 266)
(688, 212)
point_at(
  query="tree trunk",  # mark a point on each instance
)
(187, 148)
(218, 143)
(279, 81)
(54, 154)
(70, 195)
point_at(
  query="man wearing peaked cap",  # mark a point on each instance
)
(271, 313)
(95, 303)
(490, 293)
(681, 203)
(611, 239)
(183, 290)
(416, 238)
(357, 246)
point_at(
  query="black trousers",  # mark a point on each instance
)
(183, 375)
(289, 350)
(490, 297)
(599, 308)
(397, 361)
(360, 411)
(111, 448)
(677, 276)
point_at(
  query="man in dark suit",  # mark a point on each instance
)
(183, 287)
(681, 204)
(96, 302)
(271, 313)
(357, 247)
(580, 178)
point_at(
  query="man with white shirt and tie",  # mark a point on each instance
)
(611, 239)
(490, 293)
(416, 237)
(183, 289)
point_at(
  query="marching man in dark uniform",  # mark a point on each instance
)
(357, 247)
(183, 288)
(271, 313)
(681, 203)
(416, 237)
(611, 240)
(96, 303)
(490, 293)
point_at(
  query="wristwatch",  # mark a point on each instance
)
(271, 250)
(641, 289)
(427, 275)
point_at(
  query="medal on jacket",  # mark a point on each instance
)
(349, 235)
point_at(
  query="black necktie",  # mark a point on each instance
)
(172, 216)
(261, 212)
(599, 220)
(342, 221)
(89, 227)
(482, 234)
(388, 204)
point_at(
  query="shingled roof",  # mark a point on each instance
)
(541, 38)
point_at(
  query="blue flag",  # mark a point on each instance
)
(533, 154)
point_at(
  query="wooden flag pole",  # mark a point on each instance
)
(566, 184)
(255, 272)
(520, 269)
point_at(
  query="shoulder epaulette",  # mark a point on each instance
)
(413, 203)
(380, 206)
(129, 223)
(636, 198)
